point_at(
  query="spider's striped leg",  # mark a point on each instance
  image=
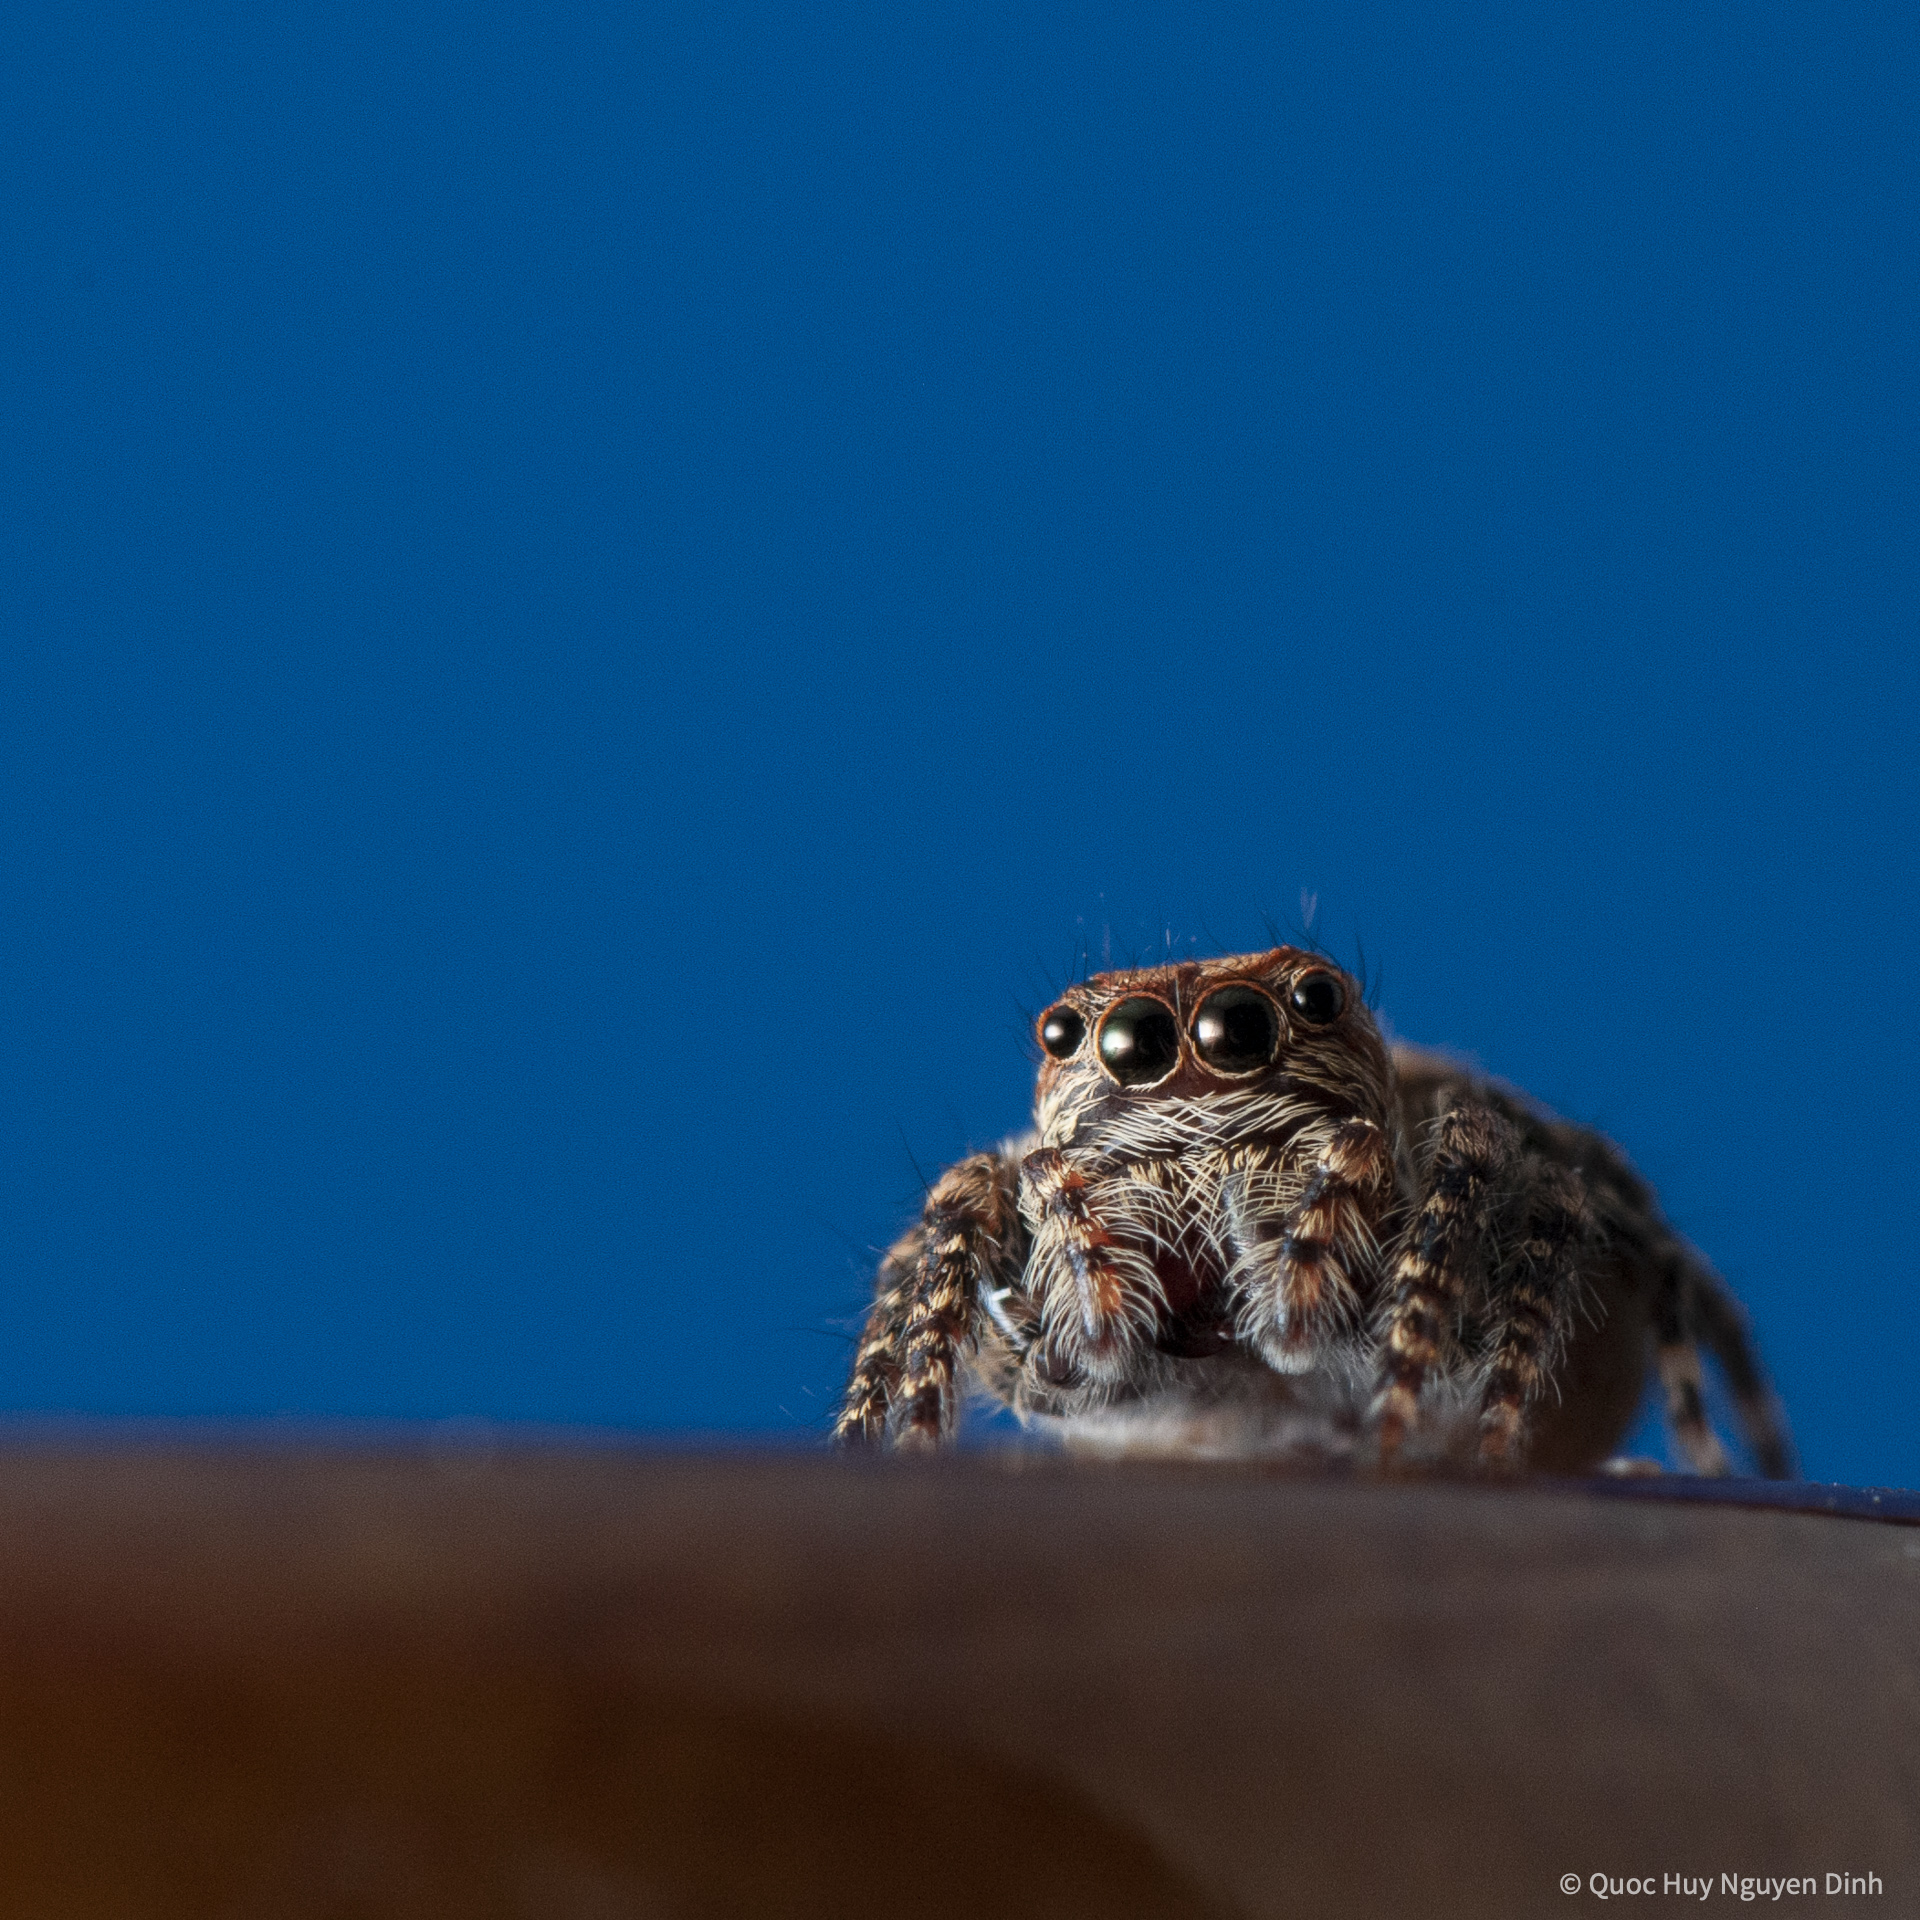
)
(973, 1240)
(1721, 1326)
(1678, 1359)
(1473, 1151)
(1692, 1307)
(1312, 1258)
(862, 1421)
(1532, 1310)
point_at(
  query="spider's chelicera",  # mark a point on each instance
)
(1243, 1223)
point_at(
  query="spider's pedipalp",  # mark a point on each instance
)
(1300, 1269)
(1095, 1235)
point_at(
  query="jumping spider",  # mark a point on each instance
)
(1244, 1223)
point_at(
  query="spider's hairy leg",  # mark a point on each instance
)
(1721, 1326)
(1304, 1263)
(862, 1421)
(1678, 1360)
(1681, 1384)
(1692, 1308)
(1473, 1149)
(972, 1231)
(1532, 1309)
(928, 1299)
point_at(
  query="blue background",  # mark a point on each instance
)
(596, 598)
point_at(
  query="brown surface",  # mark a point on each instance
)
(599, 1685)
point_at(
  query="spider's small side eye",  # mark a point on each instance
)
(1139, 1044)
(1318, 997)
(1236, 1030)
(1061, 1031)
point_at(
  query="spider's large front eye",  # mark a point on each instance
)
(1318, 997)
(1061, 1031)
(1139, 1043)
(1237, 1030)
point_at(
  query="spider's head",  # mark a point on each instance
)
(1205, 1040)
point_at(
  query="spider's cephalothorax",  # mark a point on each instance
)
(1244, 1224)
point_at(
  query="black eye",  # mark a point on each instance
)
(1237, 1029)
(1061, 1031)
(1318, 997)
(1139, 1043)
